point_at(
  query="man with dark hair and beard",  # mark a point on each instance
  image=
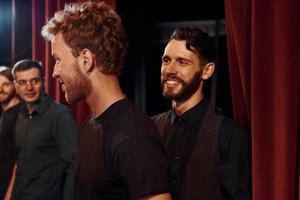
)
(9, 103)
(207, 153)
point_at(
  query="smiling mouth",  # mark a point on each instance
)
(171, 82)
(63, 87)
(30, 95)
(60, 81)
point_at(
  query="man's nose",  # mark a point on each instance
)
(29, 85)
(55, 72)
(170, 68)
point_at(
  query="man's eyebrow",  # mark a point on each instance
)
(165, 56)
(184, 59)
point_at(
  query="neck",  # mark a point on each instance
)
(181, 107)
(14, 101)
(106, 90)
(29, 108)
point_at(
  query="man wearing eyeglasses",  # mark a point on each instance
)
(45, 138)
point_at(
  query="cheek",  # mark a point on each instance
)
(71, 75)
(17, 90)
(39, 87)
(10, 90)
(162, 70)
(187, 73)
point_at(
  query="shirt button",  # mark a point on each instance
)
(177, 158)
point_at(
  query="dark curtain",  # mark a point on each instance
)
(264, 60)
(41, 12)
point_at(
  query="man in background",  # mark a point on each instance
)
(120, 155)
(208, 153)
(9, 104)
(45, 138)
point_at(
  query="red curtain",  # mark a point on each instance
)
(264, 46)
(41, 12)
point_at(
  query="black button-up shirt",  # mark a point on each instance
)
(180, 137)
(45, 141)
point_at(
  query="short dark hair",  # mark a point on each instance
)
(198, 41)
(27, 64)
(6, 71)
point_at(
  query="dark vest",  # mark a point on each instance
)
(201, 181)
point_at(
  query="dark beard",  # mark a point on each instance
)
(187, 90)
(8, 99)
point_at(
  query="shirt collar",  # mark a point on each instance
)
(193, 115)
(39, 107)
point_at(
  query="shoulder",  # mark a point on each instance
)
(232, 138)
(59, 108)
(12, 112)
(14, 109)
(231, 128)
(160, 116)
(58, 113)
(131, 119)
(129, 125)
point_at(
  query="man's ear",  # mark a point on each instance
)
(87, 60)
(208, 70)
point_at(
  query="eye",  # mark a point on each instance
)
(183, 62)
(6, 84)
(21, 82)
(35, 80)
(57, 61)
(165, 61)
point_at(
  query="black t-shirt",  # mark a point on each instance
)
(8, 151)
(120, 156)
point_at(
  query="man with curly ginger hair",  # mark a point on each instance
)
(120, 154)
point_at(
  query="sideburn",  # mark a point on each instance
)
(188, 89)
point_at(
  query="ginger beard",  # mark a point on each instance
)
(76, 86)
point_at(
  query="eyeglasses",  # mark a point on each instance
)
(23, 83)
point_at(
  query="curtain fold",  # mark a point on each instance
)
(41, 50)
(263, 47)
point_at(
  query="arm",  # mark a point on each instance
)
(234, 170)
(66, 132)
(11, 184)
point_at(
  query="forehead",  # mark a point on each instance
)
(56, 40)
(3, 79)
(59, 45)
(178, 48)
(27, 74)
